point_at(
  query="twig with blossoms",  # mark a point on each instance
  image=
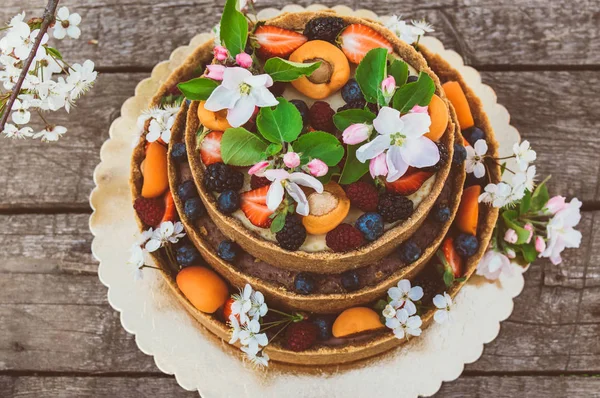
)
(399, 312)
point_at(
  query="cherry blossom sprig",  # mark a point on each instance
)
(29, 67)
(399, 312)
(411, 32)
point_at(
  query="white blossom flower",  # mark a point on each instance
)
(423, 26)
(402, 138)
(493, 264)
(167, 232)
(161, 122)
(21, 114)
(51, 133)
(242, 304)
(561, 233)
(259, 358)
(403, 296)
(251, 337)
(475, 157)
(443, 305)
(239, 93)
(496, 194)
(524, 155)
(283, 181)
(67, 24)
(404, 31)
(235, 329)
(523, 181)
(81, 78)
(22, 45)
(259, 308)
(389, 311)
(138, 275)
(404, 325)
(12, 131)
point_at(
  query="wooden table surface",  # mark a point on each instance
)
(60, 338)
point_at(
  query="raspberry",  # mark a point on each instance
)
(443, 159)
(324, 28)
(394, 207)
(258, 182)
(321, 117)
(219, 177)
(363, 195)
(292, 236)
(344, 238)
(301, 336)
(150, 211)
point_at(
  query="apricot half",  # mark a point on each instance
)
(457, 97)
(156, 180)
(327, 209)
(438, 112)
(468, 210)
(356, 320)
(203, 288)
(331, 76)
(213, 120)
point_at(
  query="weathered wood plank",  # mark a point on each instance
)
(487, 32)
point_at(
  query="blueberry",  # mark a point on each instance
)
(410, 252)
(324, 324)
(194, 209)
(350, 281)
(228, 202)
(304, 283)
(351, 91)
(441, 213)
(412, 79)
(466, 245)
(187, 255)
(460, 154)
(178, 152)
(371, 225)
(187, 190)
(473, 135)
(228, 250)
(302, 108)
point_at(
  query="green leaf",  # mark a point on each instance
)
(282, 124)
(399, 69)
(240, 147)
(540, 197)
(198, 89)
(525, 204)
(234, 29)
(348, 117)
(509, 217)
(529, 252)
(333, 170)
(448, 277)
(370, 73)
(278, 222)
(273, 149)
(282, 70)
(53, 52)
(415, 93)
(320, 145)
(353, 168)
(380, 306)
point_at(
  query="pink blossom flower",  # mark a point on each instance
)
(556, 204)
(244, 60)
(493, 264)
(511, 236)
(540, 244)
(291, 160)
(317, 168)
(529, 228)
(388, 86)
(215, 72)
(220, 53)
(561, 233)
(258, 168)
(419, 109)
(356, 133)
(378, 166)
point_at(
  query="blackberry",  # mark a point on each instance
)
(303, 109)
(412, 79)
(194, 209)
(187, 190)
(304, 283)
(370, 225)
(440, 213)
(324, 324)
(466, 245)
(178, 152)
(324, 28)
(358, 104)
(473, 135)
(187, 255)
(293, 234)
(460, 154)
(228, 202)
(432, 284)
(443, 159)
(351, 92)
(409, 252)
(350, 281)
(220, 177)
(257, 182)
(228, 250)
(394, 207)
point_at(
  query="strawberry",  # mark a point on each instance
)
(210, 148)
(454, 260)
(410, 182)
(357, 40)
(170, 210)
(227, 309)
(254, 206)
(277, 42)
(150, 211)
(301, 336)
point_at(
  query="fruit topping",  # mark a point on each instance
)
(150, 211)
(460, 154)
(321, 116)
(351, 92)
(454, 260)
(228, 250)
(344, 238)
(363, 195)
(331, 75)
(187, 255)
(228, 201)
(187, 190)
(394, 207)
(324, 28)
(254, 206)
(219, 177)
(466, 245)
(156, 180)
(210, 148)
(412, 79)
(357, 40)
(194, 209)
(257, 182)
(277, 42)
(468, 210)
(292, 235)
(327, 209)
(438, 111)
(370, 225)
(473, 135)
(356, 320)
(304, 283)
(443, 158)
(410, 182)
(170, 209)
(350, 281)
(300, 336)
(440, 213)
(457, 97)
(203, 288)
(213, 120)
(179, 153)
(227, 309)
(303, 109)
(409, 252)
(324, 323)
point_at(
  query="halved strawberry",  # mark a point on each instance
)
(357, 40)
(210, 148)
(277, 42)
(454, 260)
(170, 210)
(227, 309)
(410, 182)
(254, 206)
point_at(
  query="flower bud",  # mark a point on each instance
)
(419, 109)
(540, 244)
(244, 60)
(220, 53)
(291, 160)
(378, 166)
(388, 86)
(529, 228)
(215, 72)
(511, 236)
(510, 253)
(258, 168)
(556, 204)
(317, 168)
(356, 133)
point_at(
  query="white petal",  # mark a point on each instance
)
(263, 97)
(414, 322)
(307, 181)
(373, 148)
(404, 286)
(396, 165)
(479, 170)
(276, 174)
(415, 124)
(410, 307)
(298, 195)
(392, 323)
(63, 13)
(481, 147)
(402, 315)
(416, 293)
(233, 77)
(59, 32)
(221, 98)
(388, 121)
(74, 32)
(399, 333)
(440, 316)
(275, 195)
(258, 80)
(153, 245)
(241, 112)
(420, 152)
(439, 301)
(74, 19)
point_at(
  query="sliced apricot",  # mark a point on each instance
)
(213, 120)
(203, 288)
(356, 320)
(438, 112)
(457, 97)
(331, 76)
(327, 209)
(468, 210)
(156, 180)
